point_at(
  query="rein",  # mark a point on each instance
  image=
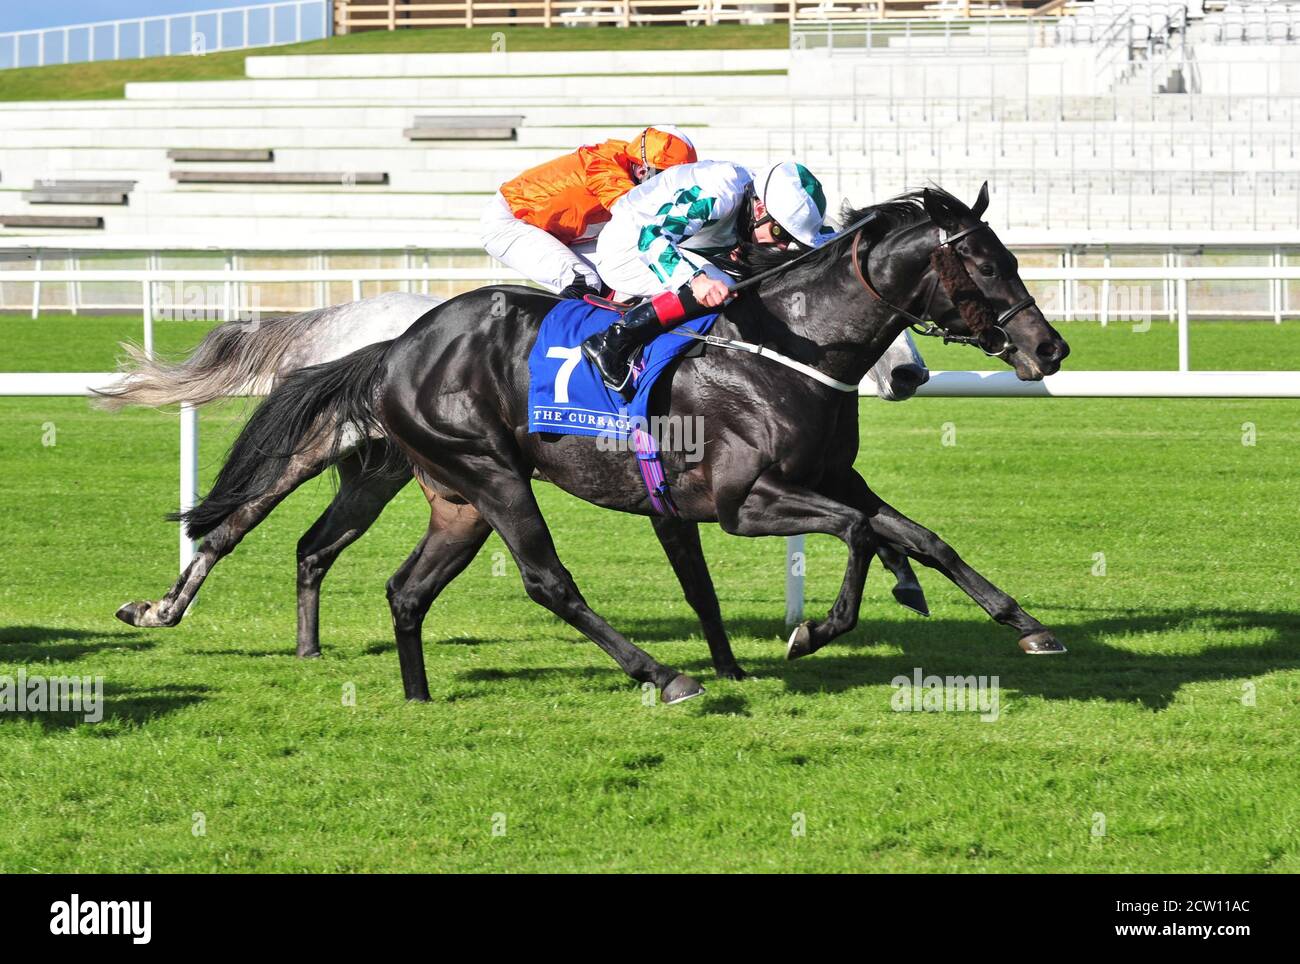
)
(733, 344)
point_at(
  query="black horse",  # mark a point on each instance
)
(452, 394)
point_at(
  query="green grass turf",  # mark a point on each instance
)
(106, 80)
(1143, 721)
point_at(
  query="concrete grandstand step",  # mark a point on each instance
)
(467, 90)
(50, 221)
(346, 178)
(464, 127)
(359, 204)
(220, 154)
(603, 62)
(74, 197)
(68, 184)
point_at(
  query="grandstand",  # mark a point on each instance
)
(1123, 125)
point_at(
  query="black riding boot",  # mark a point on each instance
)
(579, 289)
(611, 350)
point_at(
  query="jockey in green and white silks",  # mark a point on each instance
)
(655, 243)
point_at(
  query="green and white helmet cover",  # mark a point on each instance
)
(796, 201)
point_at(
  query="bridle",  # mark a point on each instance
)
(990, 338)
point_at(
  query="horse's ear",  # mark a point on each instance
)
(940, 212)
(982, 202)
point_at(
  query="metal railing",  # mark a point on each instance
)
(202, 31)
(901, 37)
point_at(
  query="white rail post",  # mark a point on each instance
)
(1182, 326)
(1103, 308)
(227, 309)
(189, 474)
(1276, 287)
(795, 563)
(146, 301)
(36, 289)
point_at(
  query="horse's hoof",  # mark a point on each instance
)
(732, 672)
(680, 688)
(800, 643)
(309, 653)
(130, 612)
(1041, 643)
(911, 597)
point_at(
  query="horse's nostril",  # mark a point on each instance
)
(1050, 351)
(909, 377)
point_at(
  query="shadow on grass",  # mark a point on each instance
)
(122, 707)
(54, 644)
(1092, 669)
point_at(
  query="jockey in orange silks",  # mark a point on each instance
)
(543, 222)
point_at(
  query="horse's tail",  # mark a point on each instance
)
(316, 408)
(232, 357)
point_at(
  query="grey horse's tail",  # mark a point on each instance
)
(236, 356)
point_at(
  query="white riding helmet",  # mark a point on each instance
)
(795, 200)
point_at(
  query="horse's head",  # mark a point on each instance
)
(979, 294)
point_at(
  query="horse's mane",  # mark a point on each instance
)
(897, 212)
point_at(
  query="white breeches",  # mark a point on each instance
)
(532, 252)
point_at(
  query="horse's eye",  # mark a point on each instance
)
(987, 270)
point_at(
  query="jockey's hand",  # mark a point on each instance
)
(709, 292)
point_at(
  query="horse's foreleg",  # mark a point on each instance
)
(850, 488)
(456, 533)
(907, 588)
(774, 507)
(923, 545)
(219, 543)
(681, 542)
(357, 504)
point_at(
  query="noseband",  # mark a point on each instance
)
(989, 334)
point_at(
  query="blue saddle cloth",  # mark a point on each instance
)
(565, 393)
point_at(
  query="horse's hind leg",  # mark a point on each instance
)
(681, 542)
(507, 502)
(357, 504)
(456, 533)
(220, 542)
